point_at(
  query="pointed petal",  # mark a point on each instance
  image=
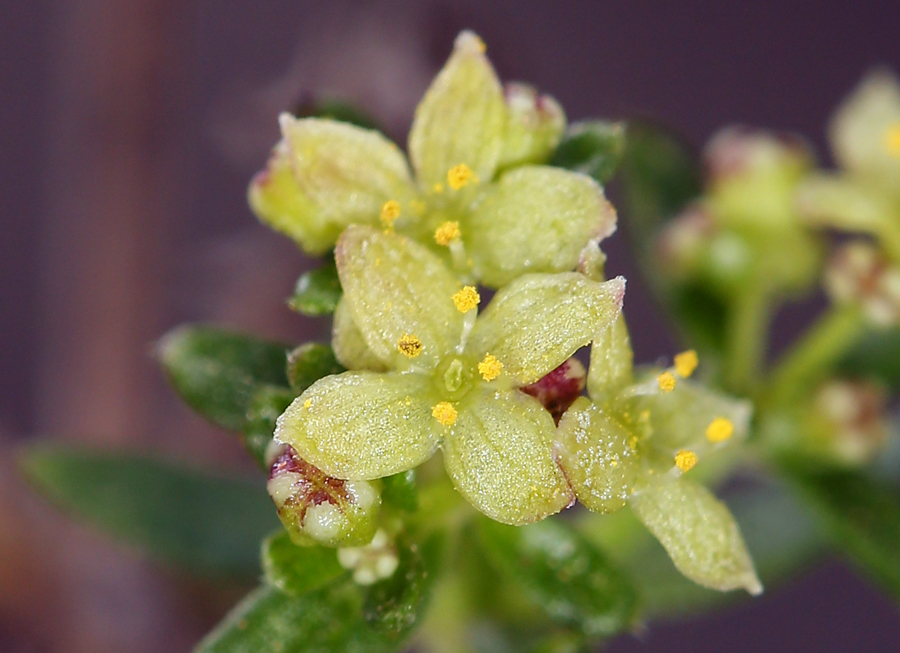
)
(534, 126)
(499, 455)
(535, 219)
(595, 455)
(461, 118)
(865, 131)
(396, 287)
(680, 419)
(538, 321)
(349, 346)
(699, 534)
(840, 202)
(362, 425)
(278, 202)
(347, 172)
(611, 360)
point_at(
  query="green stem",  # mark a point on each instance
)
(819, 349)
(748, 325)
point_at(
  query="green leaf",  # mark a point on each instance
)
(324, 621)
(219, 373)
(563, 573)
(397, 604)
(400, 490)
(310, 362)
(335, 109)
(265, 408)
(297, 570)
(594, 148)
(200, 521)
(860, 514)
(875, 356)
(318, 291)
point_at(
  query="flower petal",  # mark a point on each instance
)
(865, 131)
(535, 219)
(499, 455)
(461, 119)
(538, 321)
(349, 346)
(839, 202)
(347, 172)
(277, 201)
(611, 360)
(595, 455)
(362, 425)
(699, 534)
(396, 287)
(534, 126)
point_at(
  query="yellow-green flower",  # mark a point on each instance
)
(476, 194)
(450, 381)
(635, 441)
(864, 196)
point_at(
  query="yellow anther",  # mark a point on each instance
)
(466, 298)
(490, 367)
(307, 404)
(444, 412)
(409, 345)
(390, 211)
(892, 140)
(666, 381)
(438, 188)
(719, 430)
(459, 176)
(685, 460)
(685, 363)
(446, 233)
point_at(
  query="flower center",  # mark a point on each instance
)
(455, 377)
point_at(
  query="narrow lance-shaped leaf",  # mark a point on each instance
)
(592, 147)
(200, 521)
(318, 291)
(563, 574)
(219, 373)
(310, 362)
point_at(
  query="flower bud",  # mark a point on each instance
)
(849, 424)
(534, 125)
(375, 561)
(560, 388)
(860, 273)
(319, 509)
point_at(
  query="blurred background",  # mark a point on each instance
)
(129, 130)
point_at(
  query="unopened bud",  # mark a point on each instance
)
(860, 273)
(534, 126)
(375, 561)
(560, 388)
(320, 509)
(739, 151)
(855, 426)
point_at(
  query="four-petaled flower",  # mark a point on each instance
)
(451, 380)
(477, 195)
(633, 442)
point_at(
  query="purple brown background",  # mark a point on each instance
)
(128, 131)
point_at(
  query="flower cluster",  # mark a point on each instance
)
(428, 370)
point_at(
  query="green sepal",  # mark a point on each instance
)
(593, 147)
(400, 491)
(265, 407)
(335, 109)
(218, 373)
(310, 362)
(318, 291)
(396, 605)
(860, 514)
(297, 570)
(202, 522)
(571, 580)
(875, 356)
